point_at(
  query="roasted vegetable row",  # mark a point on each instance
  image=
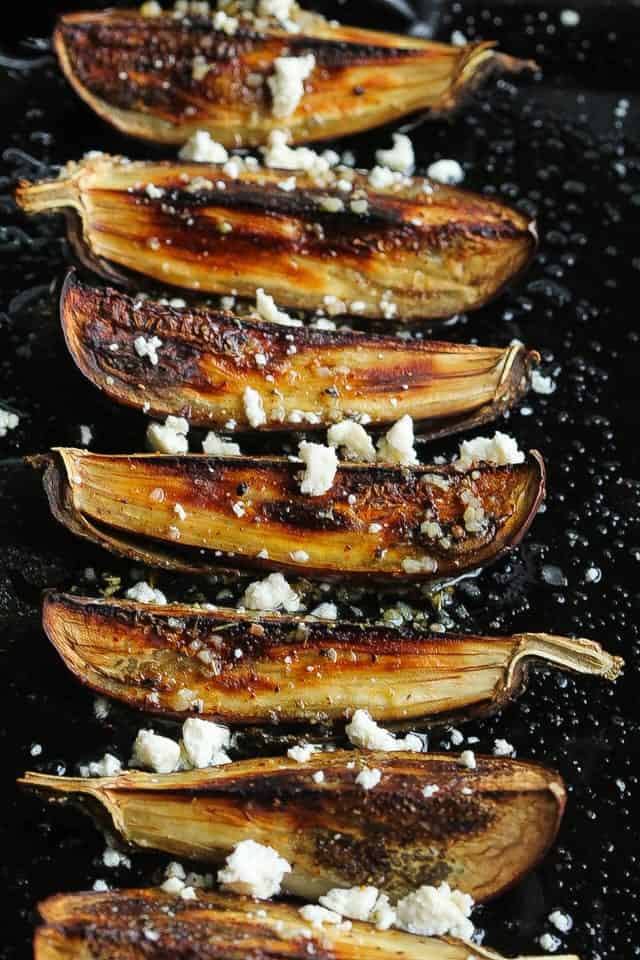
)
(163, 77)
(247, 668)
(308, 378)
(151, 925)
(481, 828)
(407, 251)
(205, 514)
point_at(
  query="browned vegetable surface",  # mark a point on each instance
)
(408, 251)
(294, 668)
(248, 512)
(209, 357)
(92, 926)
(334, 833)
(162, 78)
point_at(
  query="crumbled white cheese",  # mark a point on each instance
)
(325, 611)
(446, 171)
(154, 193)
(331, 204)
(267, 310)
(354, 902)
(280, 9)
(301, 753)
(222, 21)
(400, 157)
(397, 444)
(202, 149)
(468, 759)
(170, 436)
(86, 434)
(114, 859)
(299, 556)
(318, 776)
(436, 912)
(254, 407)
(419, 565)
(202, 741)
(100, 886)
(364, 732)
(368, 779)
(321, 465)
(278, 155)
(318, 916)
(458, 38)
(549, 943)
(272, 593)
(142, 592)
(569, 18)
(430, 790)
(216, 446)
(352, 439)
(502, 748)
(108, 766)
(542, 384)
(8, 421)
(153, 752)
(287, 82)
(383, 914)
(254, 869)
(381, 177)
(151, 8)
(148, 348)
(561, 921)
(500, 449)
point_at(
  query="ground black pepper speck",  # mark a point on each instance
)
(562, 147)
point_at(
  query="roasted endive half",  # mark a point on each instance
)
(292, 669)
(152, 925)
(162, 78)
(481, 829)
(408, 251)
(309, 378)
(201, 514)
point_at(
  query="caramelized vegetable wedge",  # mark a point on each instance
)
(407, 251)
(334, 833)
(163, 78)
(238, 512)
(91, 926)
(295, 668)
(208, 358)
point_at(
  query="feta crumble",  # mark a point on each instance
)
(204, 742)
(254, 407)
(8, 421)
(569, 18)
(216, 446)
(201, 148)
(357, 903)
(301, 753)
(363, 731)
(436, 912)
(272, 593)
(170, 436)
(541, 384)
(148, 348)
(397, 444)
(254, 869)
(325, 611)
(381, 177)
(549, 943)
(153, 752)
(369, 778)
(267, 310)
(446, 171)
(321, 465)
(318, 916)
(500, 449)
(287, 83)
(561, 921)
(142, 592)
(108, 766)
(279, 155)
(468, 759)
(400, 157)
(502, 748)
(222, 21)
(352, 439)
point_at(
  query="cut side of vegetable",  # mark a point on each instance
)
(392, 523)
(412, 250)
(259, 668)
(482, 829)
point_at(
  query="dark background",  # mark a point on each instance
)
(560, 146)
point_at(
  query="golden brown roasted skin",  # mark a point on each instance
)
(413, 251)
(239, 507)
(163, 78)
(334, 833)
(296, 669)
(92, 926)
(209, 357)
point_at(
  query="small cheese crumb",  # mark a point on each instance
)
(502, 748)
(114, 859)
(368, 779)
(204, 741)
(352, 439)
(364, 732)
(279, 155)
(501, 449)
(321, 465)
(317, 916)
(430, 790)
(357, 903)
(153, 752)
(381, 177)
(272, 593)
(446, 171)
(400, 157)
(549, 943)
(254, 407)
(222, 21)
(8, 421)
(142, 592)
(108, 766)
(170, 436)
(541, 384)
(318, 777)
(254, 869)
(397, 444)
(325, 611)
(468, 759)
(436, 912)
(216, 446)
(148, 348)
(561, 921)
(569, 18)
(151, 9)
(287, 82)
(301, 753)
(201, 148)
(267, 310)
